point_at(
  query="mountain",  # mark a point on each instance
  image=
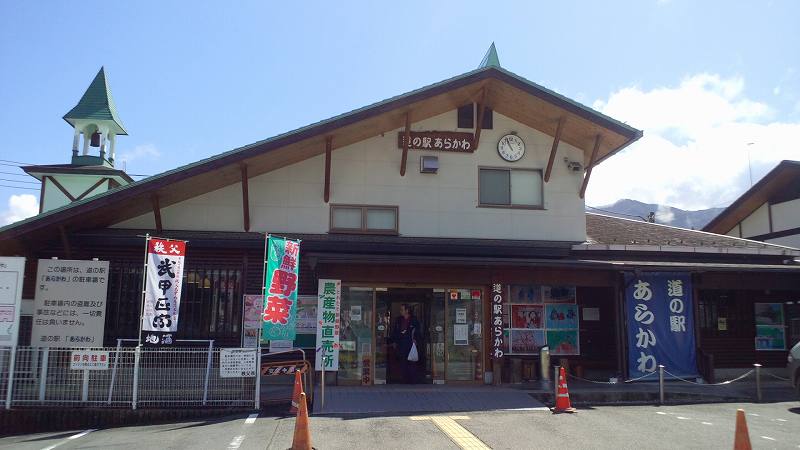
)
(665, 214)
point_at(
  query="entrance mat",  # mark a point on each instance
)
(400, 399)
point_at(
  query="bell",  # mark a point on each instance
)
(95, 140)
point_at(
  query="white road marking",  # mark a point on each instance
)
(767, 438)
(251, 418)
(780, 420)
(682, 418)
(74, 436)
(661, 412)
(236, 442)
(707, 423)
(753, 414)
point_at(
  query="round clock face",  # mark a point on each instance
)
(511, 147)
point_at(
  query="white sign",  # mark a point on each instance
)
(163, 294)
(70, 305)
(88, 360)
(460, 334)
(461, 315)
(355, 313)
(329, 298)
(12, 270)
(237, 362)
(278, 345)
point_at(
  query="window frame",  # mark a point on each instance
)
(511, 205)
(364, 229)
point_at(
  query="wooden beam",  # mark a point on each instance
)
(65, 242)
(94, 186)
(62, 189)
(554, 149)
(328, 149)
(41, 194)
(479, 124)
(590, 166)
(156, 212)
(245, 199)
(406, 143)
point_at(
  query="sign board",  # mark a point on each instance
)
(497, 321)
(237, 362)
(329, 299)
(88, 360)
(277, 345)
(659, 310)
(70, 303)
(273, 369)
(280, 306)
(165, 262)
(252, 305)
(770, 329)
(445, 141)
(12, 270)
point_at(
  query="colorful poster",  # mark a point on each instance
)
(769, 314)
(164, 280)
(251, 319)
(527, 341)
(498, 346)
(12, 270)
(563, 342)
(525, 293)
(559, 294)
(329, 300)
(526, 316)
(770, 329)
(280, 306)
(306, 314)
(659, 312)
(561, 316)
(70, 303)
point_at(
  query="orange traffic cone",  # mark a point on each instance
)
(302, 435)
(298, 388)
(741, 439)
(562, 396)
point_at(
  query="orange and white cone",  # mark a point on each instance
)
(562, 395)
(298, 389)
(302, 434)
(741, 439)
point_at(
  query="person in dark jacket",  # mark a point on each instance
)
(405, 332)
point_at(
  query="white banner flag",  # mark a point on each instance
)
(163, 290)
(329, 295)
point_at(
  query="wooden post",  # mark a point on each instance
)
(65, 241)
(406, 144)
(156, 212)
(554, 149)
(328, 149)
(479, 125)
(245, 199)
(589, 167)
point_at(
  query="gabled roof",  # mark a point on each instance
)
(503, 91)
(97, 104)
(782, 183)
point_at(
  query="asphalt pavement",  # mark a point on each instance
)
(771, 425)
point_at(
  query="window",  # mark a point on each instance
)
(510, 187)
(363, 219)
(466, 117)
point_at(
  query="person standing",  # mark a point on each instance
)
(405, 333)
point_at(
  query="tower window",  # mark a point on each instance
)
(467, 117)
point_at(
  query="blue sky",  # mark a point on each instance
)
(192, 79)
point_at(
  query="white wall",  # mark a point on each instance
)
(290, 199)
(74, 184)
(756, 223)
(789, 241)
(786, 215)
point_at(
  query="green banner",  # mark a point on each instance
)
(280, 288)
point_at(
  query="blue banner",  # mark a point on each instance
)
(659, 311)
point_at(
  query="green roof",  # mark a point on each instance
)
(96, 104)
(490, 59)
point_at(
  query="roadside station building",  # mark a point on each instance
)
(437, 199)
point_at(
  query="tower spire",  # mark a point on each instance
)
(490, 59)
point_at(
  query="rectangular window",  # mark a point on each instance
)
(364, 219)
(510, 187)
(467, 117)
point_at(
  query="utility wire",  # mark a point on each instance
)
(616, 213)
(17, 162)
(19, 187)
(19, 181)
(15, 174)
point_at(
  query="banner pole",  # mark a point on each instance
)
(144, 288)
(257, 400)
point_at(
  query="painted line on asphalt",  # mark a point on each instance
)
(707, 423)
(251, 418)
(682, 418)
(753, 414)
(458, 434)
(768, 438)
(236, 442)
(779, 420)
(73, 437)
(661, 412)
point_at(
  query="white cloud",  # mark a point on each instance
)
(694, 153)
(140, 151)
(664, 214)
(19, 207)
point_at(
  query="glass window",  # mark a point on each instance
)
(355, 340)
(364, 219)
(495, 187)
(464, 335)
(346, 218)
(381, 219)
(526, 187)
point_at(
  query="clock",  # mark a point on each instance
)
(511, 147)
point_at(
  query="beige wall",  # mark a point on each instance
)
(290, 199)
(786, 215)
(756, 223)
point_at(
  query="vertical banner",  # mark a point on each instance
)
(280, 286)
(12, 270)
(329, 297)
(497, 320)
(659, 310)
(164, 280)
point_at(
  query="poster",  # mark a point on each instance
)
(526, 316)
(237, 362)
(306, 314)
(499, 339)
(329, 293)
(527, 341)
(355, 313)
(165, 263)
(280, 345)
(252, 305)
(461, 315)
(561, 316)
(525, 293)
(659, 313)
(70, 303)
(12, 270)
(770, 330)
(280, 306)
(460, 334)
(563, 342)
(559, 294)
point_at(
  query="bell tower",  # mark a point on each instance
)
(96, 125)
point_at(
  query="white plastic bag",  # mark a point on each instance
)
(413, 355)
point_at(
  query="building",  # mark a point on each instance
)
(430, 199)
